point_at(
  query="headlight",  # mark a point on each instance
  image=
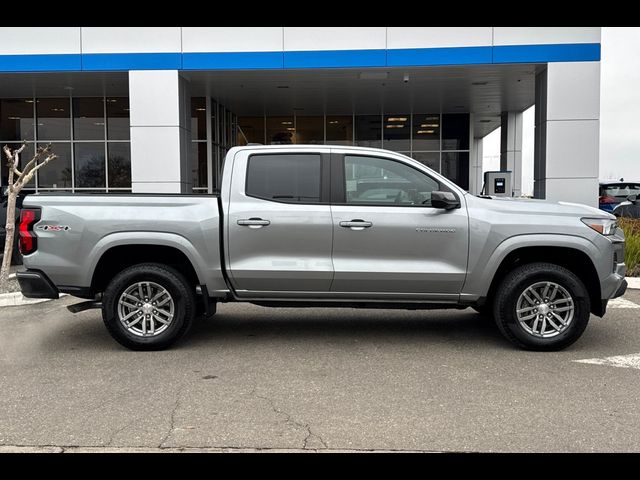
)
(605, 226)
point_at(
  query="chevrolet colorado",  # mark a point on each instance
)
(323, 226)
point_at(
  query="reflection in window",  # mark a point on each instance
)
(198, 164)
(426, 132)
(252, 129)
(309, 130)
(380, 181)
(455, 131)
(88, 119)
(57, 173)
(119, 162)
(89, 166)
(198, 118)
(339, 130)
(280, 130)
(16, 120)
(430, 159)
(455, 166)
(118, 118)
(369, 131)
(397, 132)
(54, 119)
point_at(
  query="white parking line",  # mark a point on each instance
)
(625, 361)
(622, 303)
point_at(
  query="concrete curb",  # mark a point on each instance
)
(15, 299)
(633, 283)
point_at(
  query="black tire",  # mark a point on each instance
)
(516, 282)
(170, 279)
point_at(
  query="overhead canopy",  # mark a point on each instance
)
(485, 90)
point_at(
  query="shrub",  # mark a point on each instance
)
(631, 227)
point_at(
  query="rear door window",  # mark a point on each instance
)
(289, 178)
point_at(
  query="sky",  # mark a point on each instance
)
(619, 113)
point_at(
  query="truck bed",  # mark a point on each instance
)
(86, 226)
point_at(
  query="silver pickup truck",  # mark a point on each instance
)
(323, 226)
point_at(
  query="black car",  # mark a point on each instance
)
(17, 258)
(628, 208)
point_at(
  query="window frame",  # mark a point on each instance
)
(339, 186)
(325, 178)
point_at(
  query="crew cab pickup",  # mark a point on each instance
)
(323, 226)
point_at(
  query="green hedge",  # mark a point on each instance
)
(631, 227)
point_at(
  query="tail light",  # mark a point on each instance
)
(28, 241)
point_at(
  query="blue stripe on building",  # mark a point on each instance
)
(580, 52)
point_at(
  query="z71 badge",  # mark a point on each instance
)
(53, 228)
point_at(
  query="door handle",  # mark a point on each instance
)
(254, 222)
(356, 224)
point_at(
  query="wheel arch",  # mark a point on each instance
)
(123, 252)
(574, 257)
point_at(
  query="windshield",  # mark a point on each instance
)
(620, 190)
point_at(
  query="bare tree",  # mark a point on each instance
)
(16, 181)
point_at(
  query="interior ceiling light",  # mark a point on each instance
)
(427, 125)
(333, 122)
(287, 123)
(290, 128)
(14, 118)
(395, 126)
(201, 109)
(28, 101)
(426, 131)
(397, 119)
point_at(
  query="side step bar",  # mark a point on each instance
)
(82, 306)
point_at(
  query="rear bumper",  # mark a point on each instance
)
(35, 284)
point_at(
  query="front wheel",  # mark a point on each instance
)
(148, 306)
(541, 306)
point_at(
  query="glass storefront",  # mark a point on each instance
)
(212, 138)
(440, 141)
(89, 135)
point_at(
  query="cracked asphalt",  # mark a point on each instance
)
(259, 379)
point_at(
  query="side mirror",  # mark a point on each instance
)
(446, 200)
(632, 198)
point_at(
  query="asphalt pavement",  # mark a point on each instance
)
(264, 379)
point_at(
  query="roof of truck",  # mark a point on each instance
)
(254, 146)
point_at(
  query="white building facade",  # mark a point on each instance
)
(154, 109)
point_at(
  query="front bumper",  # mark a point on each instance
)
(35, 284)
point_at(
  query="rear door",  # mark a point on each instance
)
(388, 240)
(279, 222)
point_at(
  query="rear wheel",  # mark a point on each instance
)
(542, 306)
(148, 306)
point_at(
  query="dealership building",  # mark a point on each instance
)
(154, 109)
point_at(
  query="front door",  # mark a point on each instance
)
(388, 240)
(279, 224)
